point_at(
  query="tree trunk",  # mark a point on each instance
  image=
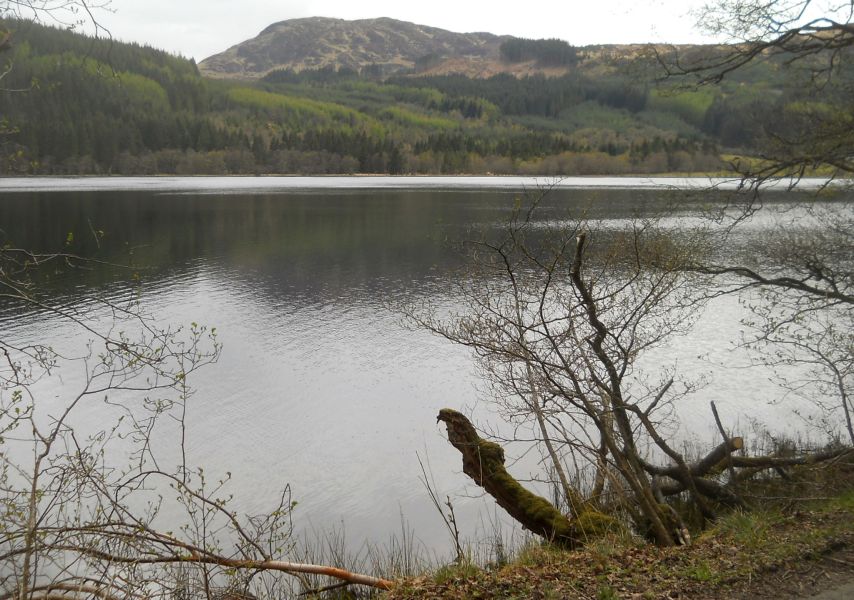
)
(627, 459)
(483, 461)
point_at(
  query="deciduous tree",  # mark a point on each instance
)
(558, 315)
(802, 308)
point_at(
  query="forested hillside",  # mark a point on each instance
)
(71, 104)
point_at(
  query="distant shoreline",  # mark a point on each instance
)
(284, 183)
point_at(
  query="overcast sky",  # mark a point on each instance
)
(199, 28)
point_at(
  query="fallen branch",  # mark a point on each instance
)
(708, 488)
(323, 590)
(710, 463)
(770, 462)
(720, 458)
(232, 563)
(483, 461)
(725, 438)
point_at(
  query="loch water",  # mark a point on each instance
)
(320, 385)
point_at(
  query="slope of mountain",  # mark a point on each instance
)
(384, 45)
(107, 107)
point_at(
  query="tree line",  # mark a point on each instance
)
(75, 104)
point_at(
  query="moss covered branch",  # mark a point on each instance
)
(483, 461)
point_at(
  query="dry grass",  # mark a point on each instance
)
(805, 528)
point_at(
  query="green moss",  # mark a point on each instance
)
(483, 461)
(594, 524)
(492, 455)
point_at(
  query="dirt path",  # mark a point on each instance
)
(828, 577)
(845, 592)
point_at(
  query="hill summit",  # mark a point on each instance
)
(374, 46)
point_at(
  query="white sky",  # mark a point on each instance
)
(200, 28)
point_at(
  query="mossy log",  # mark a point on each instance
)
(483, 461)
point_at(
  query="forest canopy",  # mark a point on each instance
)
(73, 104)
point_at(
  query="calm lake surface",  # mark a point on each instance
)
(319, 385)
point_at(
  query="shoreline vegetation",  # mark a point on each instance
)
(689, 175)
(726, 175)
(795, 541)
(790, 548)
(557, 177)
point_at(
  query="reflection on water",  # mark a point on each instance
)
(319, 385)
